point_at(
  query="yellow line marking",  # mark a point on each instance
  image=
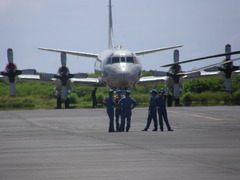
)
(205, 117)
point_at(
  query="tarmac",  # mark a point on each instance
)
(75, 144)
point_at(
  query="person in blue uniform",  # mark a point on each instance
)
(118, 109)
(110, 104)
(152, 111)
(127, 104)
(162, 111)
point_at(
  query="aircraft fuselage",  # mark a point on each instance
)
(120, 69)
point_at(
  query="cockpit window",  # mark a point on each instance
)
(115, 59)
(122, 59)
(130, 60)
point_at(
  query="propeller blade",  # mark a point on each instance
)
(63, 59)
(202, 58)
(176, 56)
(10, 55)
(207, 67)
(12, 89)
(228, 50)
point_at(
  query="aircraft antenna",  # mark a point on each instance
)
(110, 31)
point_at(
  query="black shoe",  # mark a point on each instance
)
(161, 130)
(144, 129)
(112, 130)
(170, 129)
(155, 129)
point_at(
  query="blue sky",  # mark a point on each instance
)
(203, 27)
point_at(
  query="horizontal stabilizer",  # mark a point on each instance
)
(155, 50)
(29, 71)
(76, 53)
(160, 73)
(80, 75)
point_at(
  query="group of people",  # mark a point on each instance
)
(122, 106)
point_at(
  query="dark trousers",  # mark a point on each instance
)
(111, 120)
(123, 117)
(163, 115)
(152, 115)
(117, 115)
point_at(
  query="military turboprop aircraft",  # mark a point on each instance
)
(175, 75)
(117, 68)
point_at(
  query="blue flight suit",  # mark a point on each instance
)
(152, 113)
(127, 104)
(110, 104)
(118, 111)
(162, 112)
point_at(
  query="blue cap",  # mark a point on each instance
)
(111, 91)
(119, 91)
(161, 91)
(153, 91)
(128, 92)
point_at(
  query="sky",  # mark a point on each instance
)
(202, 27)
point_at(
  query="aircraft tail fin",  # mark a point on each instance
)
(110, 30)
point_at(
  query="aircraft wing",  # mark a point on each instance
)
(92, 82)
(155, 50)
(148, 80)
(84, 54)
(24, 77)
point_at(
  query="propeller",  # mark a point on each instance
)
(64, 75)
(174, 73)
(11, 72)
